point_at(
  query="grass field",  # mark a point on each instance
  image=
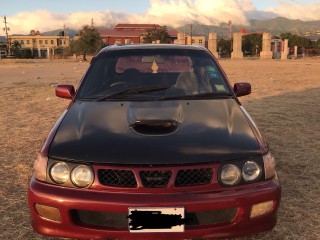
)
(284, 103)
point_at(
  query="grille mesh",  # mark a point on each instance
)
(192, 177)
(155, 179)
(119, 178)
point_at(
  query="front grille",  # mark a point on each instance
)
(210, 217)
(159, 178)
(119, 178)
(120, 221)
(155, 179)
(192, 177)
(100, 219)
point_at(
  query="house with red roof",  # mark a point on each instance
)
(130, 33)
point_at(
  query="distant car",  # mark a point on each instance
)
(3, 54)
(154, 132)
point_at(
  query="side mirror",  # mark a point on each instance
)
(242, 89)
(65, 91)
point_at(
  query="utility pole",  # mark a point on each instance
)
(6, 29)
(64, 38)
(92, 23)
(229, 30)
(64, 34)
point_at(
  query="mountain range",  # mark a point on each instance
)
(274, 25)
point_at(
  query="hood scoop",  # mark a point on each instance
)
(155, 127)
(155, 119)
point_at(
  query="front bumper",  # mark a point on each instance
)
(66, 200)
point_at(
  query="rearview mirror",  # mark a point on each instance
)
(242, 89)
(65, 91)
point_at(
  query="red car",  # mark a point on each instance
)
(154, 145)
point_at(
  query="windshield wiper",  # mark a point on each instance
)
(199, 96)
(130, 91)
(212, 94)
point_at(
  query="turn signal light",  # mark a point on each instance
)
(261, 209)
(47, 212)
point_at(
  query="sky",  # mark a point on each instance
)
(44, 15)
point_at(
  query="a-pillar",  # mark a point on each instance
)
(266, 52)
(212, 44)
(237, 46)
(181, 38)
(285, 49)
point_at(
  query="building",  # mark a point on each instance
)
(196, 40)
(130, 33)
(40, 45)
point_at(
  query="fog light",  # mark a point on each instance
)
(261, 208)
(47, 212)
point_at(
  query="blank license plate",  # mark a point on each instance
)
(153, 219)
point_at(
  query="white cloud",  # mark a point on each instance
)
(43, 20)
(26, 21)
(165, 12)
(298, 11)
(175, 13)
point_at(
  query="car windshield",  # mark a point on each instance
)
(136, 74)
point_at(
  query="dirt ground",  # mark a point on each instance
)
(284, 103)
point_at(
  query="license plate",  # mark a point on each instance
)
(154, 219)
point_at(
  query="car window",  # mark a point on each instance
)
(154, 64)
(184, 72)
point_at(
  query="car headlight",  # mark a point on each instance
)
(251, 171)
(230, 175)
(59, 172)
(82, 176)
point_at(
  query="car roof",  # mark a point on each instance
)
(152, 46)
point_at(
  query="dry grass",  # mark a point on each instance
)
(284, 103)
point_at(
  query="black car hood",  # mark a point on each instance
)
(157, 132)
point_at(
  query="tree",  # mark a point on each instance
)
(26, 53)
(3, 49)
(16, 49)
(318, 43)
(89, 42)
(155, 34)
(224, 47)
(252, 44)
(295, 40)
(3, 46)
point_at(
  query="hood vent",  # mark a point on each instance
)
(155, 127)
(155, 118)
